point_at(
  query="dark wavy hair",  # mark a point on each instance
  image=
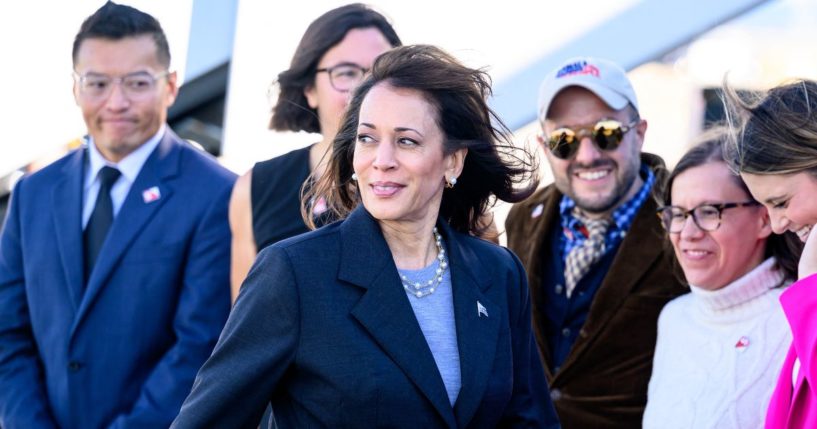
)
(773, 132)
(291, 111)
(785, 248)
(115, 22)
(493, 168)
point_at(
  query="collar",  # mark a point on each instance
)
(129, 166)
(751, 285)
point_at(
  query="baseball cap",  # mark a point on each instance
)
(601, 77)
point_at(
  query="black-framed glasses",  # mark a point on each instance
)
(344, 77)
(607, 135)
(134, 85)
(706, 216)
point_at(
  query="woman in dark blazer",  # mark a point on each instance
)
(396, 316)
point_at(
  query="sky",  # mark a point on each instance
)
(40, 113)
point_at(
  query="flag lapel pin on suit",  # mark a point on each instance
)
(481, 311)
(151, 194)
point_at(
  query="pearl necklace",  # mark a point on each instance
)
(423, 289)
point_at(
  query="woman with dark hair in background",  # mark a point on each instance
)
(721, 346)
(774, 147)
(396, 316)
(332, 58)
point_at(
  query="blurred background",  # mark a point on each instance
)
(228, 52)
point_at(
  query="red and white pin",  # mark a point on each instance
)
(742, 344)
(151, 194)
(319, 207)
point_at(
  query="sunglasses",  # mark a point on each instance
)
(607, 135)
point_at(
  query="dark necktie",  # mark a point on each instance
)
(101, 218)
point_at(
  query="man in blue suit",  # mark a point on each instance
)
(114, 261)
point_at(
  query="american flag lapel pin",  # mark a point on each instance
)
(481, 311)
(151, 194)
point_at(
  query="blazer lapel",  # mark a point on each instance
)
(477, 320)
(67, 203)
(542, 227)
(161, 165)
(384, 310)
(638, 251)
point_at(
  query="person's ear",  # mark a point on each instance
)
(455, 163)
(311, 95)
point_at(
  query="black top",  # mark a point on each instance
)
(275, 195)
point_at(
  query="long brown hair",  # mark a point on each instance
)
(773, 132)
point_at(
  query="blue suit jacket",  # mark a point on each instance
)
(324, 330)
(122, 351)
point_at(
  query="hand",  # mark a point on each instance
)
(808, 260)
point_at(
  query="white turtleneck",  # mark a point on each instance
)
(718, 354)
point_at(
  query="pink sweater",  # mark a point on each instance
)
(796, 406)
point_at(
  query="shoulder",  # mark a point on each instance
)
(287, 160)
(491, 260)
(800, 293)
(484, 249)
(307, 246)
(527, 208)
(677, 310)
(530, 220)
(241, 188)
(196, 160)
(280, 175)
(52, 173)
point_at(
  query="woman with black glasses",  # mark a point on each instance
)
(720, 346)
(332, 58)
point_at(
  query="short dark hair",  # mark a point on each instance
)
(115, 22)
(493, 168)
(786, 248)
(291, 111)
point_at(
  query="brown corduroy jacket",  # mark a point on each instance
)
(603, 381)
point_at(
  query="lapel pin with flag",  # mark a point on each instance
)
(151, 194)
(481, 311)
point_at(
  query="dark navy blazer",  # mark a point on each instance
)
(324, 331)
(123, 350)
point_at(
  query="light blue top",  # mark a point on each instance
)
(435, 314)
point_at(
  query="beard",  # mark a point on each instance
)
(600, 203)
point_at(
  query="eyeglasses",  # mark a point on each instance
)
(135, 85)
(706, 216)
(344, 77)
(607, 135)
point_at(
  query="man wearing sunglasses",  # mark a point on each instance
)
(592, 246)
(114, 260)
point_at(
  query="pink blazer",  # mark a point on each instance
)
(796, 406)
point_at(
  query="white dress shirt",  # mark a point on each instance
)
(129, 166)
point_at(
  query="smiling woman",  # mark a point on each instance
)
(735, 268)
(396, 316)
(774, 148)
